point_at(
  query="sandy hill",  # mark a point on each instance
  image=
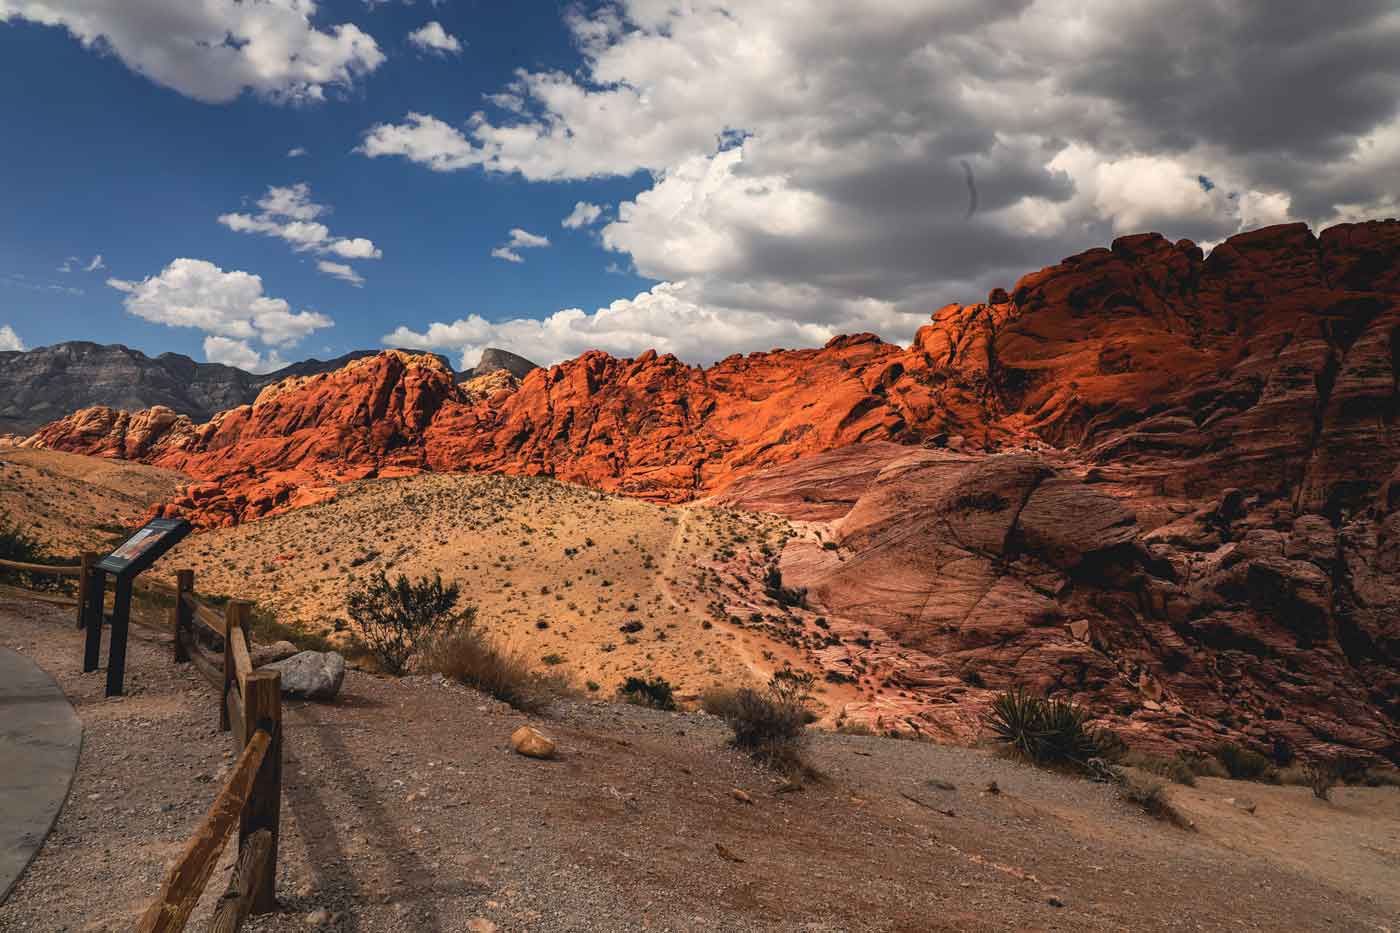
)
(602, 585)
(70, 502)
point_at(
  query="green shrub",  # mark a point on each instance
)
(784, 596)
(1244, 764)
(17, 545)
(1044, 731)
(656, 693)
(469, 657)
(400, 617)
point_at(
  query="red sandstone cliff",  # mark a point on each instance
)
(1158, 481)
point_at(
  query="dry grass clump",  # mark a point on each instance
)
(1177, 770)
(1150, 793)
(770, 724)
(470, 657)
(1245, 764)
(1320, 778)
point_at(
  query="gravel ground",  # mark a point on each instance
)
(405, 810)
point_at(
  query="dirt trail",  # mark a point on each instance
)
(406, 811)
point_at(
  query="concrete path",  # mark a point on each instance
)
(40, 737)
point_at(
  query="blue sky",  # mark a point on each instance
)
(105, 162)
(764, 173)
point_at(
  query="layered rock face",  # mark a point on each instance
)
(957, 574)
(1163, 481)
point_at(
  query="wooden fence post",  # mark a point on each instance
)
(182, 616)
(262, 709)
(84, 581)
(230, 669)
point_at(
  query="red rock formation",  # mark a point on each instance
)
(1079, 530)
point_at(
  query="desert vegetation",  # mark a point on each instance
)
(770, 723)
(399, 619)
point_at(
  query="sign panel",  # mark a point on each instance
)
(145, 547)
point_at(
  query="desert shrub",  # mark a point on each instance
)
(1205, 766)
(17, 545)
(854, 727)
(720, 701)
(1044, 731)
(770, 724)
(656, 693)
(784, 596)
(1380, 777)
(1321, 778)
(1150, 793)
(469, 656)
(1243, 764)
(1176, 769)
(399, 617)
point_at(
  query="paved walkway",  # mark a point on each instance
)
(40, 737)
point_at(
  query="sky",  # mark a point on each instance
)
(256, 183)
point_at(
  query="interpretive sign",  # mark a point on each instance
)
(136, 554)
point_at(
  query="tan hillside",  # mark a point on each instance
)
(68, 501)
(559, 571)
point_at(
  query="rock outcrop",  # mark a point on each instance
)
(39, 385)
(1165, 482)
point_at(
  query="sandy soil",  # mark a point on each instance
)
(70, 502)
(405, 810)
(562, 572)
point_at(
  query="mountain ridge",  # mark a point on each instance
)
(44, 383)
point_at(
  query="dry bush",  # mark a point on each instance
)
(1245, 764)
(470, 657)
(656, 693)
(1150, 793)
(855, 727)
(399, 618)
(1380, 777)
(1178, 770)
(769, 724)
(1320, 778)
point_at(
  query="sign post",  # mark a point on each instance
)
(135, 556)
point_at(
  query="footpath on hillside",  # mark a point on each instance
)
(405, 810)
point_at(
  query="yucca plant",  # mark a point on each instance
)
(1043, 731)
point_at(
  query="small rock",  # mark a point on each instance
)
(318, 917)
(315, 675)
(1241, 803)
(481, 925)
(532, 743)
(740, 796)
(271, 654)
(1054, 901)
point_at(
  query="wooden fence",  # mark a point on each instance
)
(250, 707)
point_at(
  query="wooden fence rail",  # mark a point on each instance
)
(250, 707)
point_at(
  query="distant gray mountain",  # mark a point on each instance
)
(493, 360)
(40, 385)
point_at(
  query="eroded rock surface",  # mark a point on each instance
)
(1163, 482)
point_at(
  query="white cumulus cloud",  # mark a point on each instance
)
(289, 214)
(433, 38)
(341, 271)
(196, 293)
(882, 158)
(214, 50)
(584, 214)
(9, 340)
(506, 253)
